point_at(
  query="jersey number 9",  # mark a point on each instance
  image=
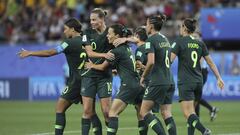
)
(194, 57)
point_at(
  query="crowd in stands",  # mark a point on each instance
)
(38, 21)
(41, 21)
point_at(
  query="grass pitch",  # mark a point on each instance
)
(37, 118)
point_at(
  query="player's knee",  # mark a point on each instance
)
(105, 113)
(142, 114)
(186, 114)
(112, 113)
(88, 113)
(60, 108)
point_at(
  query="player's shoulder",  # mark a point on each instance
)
(141, 48)
(89, 31)
(200, 42)
(66, 41)
(150, 38)
(179, 39)
(121, 48)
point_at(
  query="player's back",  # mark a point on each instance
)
(159, 45)
(125, 64)
(189, 51)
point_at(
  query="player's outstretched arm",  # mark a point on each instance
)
(213, 67)
(44, 53)
(101, 67)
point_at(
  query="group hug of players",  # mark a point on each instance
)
(146, 78)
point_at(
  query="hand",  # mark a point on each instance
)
(110, 56)
(138, 66)
(133, 39)
(88, 65)
(119, 41)
(142, 82)
(220, 83)
(24, 53)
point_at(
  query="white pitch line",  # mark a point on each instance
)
(127, 128)
(77, 131)
(230, 134)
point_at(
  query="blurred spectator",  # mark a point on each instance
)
(40, 20)
(235, 69)
(55, 29)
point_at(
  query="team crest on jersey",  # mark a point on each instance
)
(147, 45)
(139, 53)
(84, 38)
(64, 45)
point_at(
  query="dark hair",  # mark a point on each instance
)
(141, 32)
(190, 24)
(119, 29)
(157, 21)
(129, 32)
(100, 12)
(74, 23)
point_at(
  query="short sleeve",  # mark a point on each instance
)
(85, 40)
(175, 48)
(61, 48)
(138, 54)
(149, 48)
(204, 49)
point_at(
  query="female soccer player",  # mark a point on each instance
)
(93, 81)
(212, 109)
(161, 85)
(72, 48)
(190, 81)
(141, 60)
(130, 89)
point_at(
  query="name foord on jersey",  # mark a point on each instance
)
(193, 45)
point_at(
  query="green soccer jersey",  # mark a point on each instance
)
(99, 43)
(189, 51)
(125, 65)
(141, 55)
(159, 45)
(75, 55)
